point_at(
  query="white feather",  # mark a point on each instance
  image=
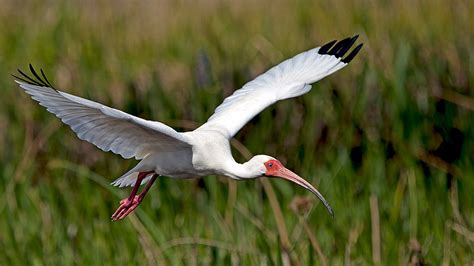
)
(289, 79)
(107, 128)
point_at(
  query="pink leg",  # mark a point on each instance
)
(129, 204)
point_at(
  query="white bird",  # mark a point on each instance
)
(162, 151)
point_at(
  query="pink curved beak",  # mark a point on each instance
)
(289, 175)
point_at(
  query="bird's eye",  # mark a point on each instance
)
(270, 165)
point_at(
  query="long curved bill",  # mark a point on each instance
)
(289, 175)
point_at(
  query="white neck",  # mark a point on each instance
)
(237, 171)
(251, 169)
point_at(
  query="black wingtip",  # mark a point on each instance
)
(27, 79)
(37, 80)
(45, 78)
(343, 50)
(339, 49)
(339, 45)
(351, 56)
(20, 78)
(325, 48)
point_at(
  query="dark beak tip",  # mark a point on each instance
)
(331, 212)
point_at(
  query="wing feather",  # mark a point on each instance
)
(289, 79)
(107, 128)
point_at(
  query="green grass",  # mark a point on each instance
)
(388, 140)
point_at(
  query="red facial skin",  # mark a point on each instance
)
(273, 167)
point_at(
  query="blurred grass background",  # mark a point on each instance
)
(388, 140)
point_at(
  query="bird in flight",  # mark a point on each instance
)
(162, 151)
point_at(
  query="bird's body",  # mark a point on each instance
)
(207, 154)
(162, 151)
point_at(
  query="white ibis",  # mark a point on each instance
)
(162, 151)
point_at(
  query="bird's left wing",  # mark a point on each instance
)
(289, 79)
(107, 128)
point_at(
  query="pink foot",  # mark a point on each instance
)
(126, 207)
(129, 204)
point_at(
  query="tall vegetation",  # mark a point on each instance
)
(388, 140)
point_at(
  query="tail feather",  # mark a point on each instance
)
(130, 177)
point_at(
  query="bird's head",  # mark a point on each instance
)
(271, 167)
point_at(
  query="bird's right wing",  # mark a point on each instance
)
(107, 128)
(289, 79)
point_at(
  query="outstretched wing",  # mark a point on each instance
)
(289, 79)
(107, 128)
